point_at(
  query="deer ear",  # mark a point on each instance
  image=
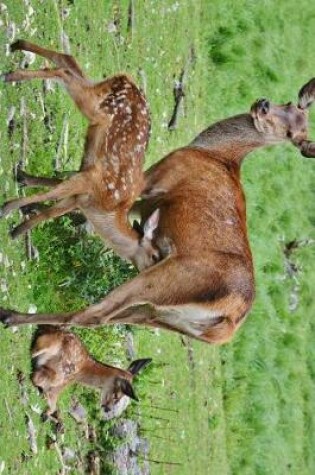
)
(151, 224)
(137, 365)
(127, 389)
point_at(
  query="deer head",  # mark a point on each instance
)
(120, 385)
(288, 121)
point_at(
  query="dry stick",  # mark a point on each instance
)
(162, 462)
(178, 90)
(30, 251)
(292, 269)
(159, 436)
(62, 143)
(8, 408)
(64, 468)
(147, 416)
(160, 408)
(143, 79)
(117, 19)
(131, 18)
(31, 432)
(46, 116)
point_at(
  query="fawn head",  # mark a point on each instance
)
(120, 385)
(287, 121)
(147, 254)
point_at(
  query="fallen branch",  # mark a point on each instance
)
(179, 89)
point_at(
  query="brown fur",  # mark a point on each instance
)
(205, 287)
(59, 358)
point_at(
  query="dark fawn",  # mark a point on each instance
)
(59, 359)
(111, 176)
(205, 287)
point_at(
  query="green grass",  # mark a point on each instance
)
(244, 408)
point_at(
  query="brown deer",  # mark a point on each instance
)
(205, 287)
(111, 177)
(59, 358)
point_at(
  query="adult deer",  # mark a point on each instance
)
(205, 287)
(111, 177)
(59, 359)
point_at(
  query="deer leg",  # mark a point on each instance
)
(141, 289)
(60, 59)
(74, 186)
(175, 273)
(61, 208)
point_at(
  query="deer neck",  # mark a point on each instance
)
(230, 140)
(94, 373)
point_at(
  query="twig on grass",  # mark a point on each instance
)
(179, 89)
(8, 408)
(131, 18)
(31, 434)
(62, 145)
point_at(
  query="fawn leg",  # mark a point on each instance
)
(61, 208)
(143, 290)
(60, 59)
(74, 186)
(27, 75)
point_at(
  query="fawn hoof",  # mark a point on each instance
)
(20, 176)
(3, 210)
(15, 232)
(16, 46)
(45, 416)
(6, 77)
(6, 317)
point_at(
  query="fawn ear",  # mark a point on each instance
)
(151, 224)
(307, 94)
(137, 365)
(127, 389)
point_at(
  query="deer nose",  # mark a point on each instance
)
(105, 408)
(263, 106)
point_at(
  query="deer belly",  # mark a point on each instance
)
(189, 319)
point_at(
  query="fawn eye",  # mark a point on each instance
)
(156, 257)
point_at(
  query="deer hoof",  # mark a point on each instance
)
(6, 317)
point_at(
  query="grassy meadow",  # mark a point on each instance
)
(246, 408)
